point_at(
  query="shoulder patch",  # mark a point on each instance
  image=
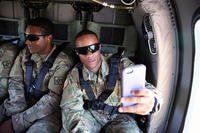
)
(58, 80)
(6, 64)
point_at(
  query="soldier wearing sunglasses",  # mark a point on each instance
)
(36, 82)
(92, 92)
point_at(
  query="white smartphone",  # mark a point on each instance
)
(133, 78)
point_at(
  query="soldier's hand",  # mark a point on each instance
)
(143, 100)
(6, 127)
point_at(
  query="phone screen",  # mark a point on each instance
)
(133, 78)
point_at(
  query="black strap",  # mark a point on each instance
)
(85, 84)
(113, 74)
(112, 78)
(29, 70)
(45, 68)
(35, 88)
(99, 105)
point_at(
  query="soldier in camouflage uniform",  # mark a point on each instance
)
(28, 112)
(95, 69)
(8, 53)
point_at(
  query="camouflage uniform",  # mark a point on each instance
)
(8, 53)
(43, 114)
(76, 119)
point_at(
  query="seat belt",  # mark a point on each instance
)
(29, 70)
(34, 88)
(112, 76)
(85, 84)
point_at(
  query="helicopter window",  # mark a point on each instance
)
(10, 28)
(111, 35)
(61, 32)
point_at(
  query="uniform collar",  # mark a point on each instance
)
(41, 58)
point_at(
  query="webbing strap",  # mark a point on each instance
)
(35, 87)
(99, 105)
(85, 84)
(112, 78)
(113, 74)
(45, 68)
(29, 70)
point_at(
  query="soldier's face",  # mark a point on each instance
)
(91, 59)
(36, 41)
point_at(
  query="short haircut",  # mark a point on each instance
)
(86, 32)
(45, 24)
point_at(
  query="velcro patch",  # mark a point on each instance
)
(6, 64)
(58, 80)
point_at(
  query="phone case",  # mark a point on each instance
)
(133, 78)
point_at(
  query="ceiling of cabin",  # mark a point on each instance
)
(117, 2)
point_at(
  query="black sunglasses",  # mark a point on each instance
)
(32, 37)
(91, 48)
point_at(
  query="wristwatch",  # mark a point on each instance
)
(156, 106)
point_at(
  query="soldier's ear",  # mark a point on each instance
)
(50, 37)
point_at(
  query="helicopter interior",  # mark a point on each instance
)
(145, 28)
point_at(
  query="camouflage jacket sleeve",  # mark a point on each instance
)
(16, 101)
(8, 53)
(74, 117)
(48, 104)
(157, 96)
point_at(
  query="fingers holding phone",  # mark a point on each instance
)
(143, 100)
(135, 97)
(133, 78)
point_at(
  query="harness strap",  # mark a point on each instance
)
(113, 74)
(85, 84)
(99, 105)
(29, 70)
(35, 88)
(112, 78)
